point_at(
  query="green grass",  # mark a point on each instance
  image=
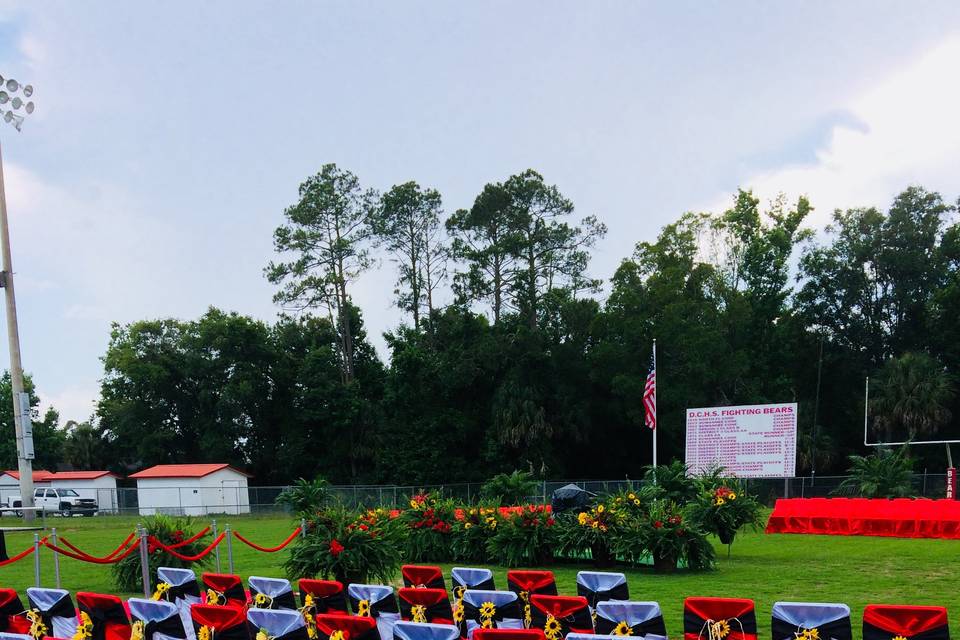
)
(767, 568)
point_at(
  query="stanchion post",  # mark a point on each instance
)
(229, 548)
(216, 551)
(56, 557)
(144, 562)
(303, 527)
(36, 559)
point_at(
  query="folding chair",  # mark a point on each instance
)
(224, 589)
(155, 620)
(719, 619)
(560, 615)
(424, 631)
(180, 587)
(12, 620)
(490, 610)
(271, 593)
(105, 616)
(424, 605)
(509, 634)
(276, 624)
(56, 610)
(335, 626)
(219, 622)
(624, 618)
(527, 583)
(375, 601)
(422, 576)
(885, 621)
(810, 621)
(598, 586)
(322, 596)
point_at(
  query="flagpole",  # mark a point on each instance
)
(655, 405)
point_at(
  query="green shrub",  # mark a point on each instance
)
(430, 519)
(472, 532)
(127, 575)
(666, 533)
(349, 546)
(724, 507)
(305, 497)
(524, 538)
(888, 473)
(509, 489)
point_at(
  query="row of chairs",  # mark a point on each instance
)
(217, 607)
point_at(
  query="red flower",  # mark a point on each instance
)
(657, 524)
(532, 508)
(680, 532)
(178, 535)
(335, 548)
(363, 527)
(550, 522)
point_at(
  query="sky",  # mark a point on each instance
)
(169, 137)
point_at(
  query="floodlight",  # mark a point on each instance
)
(29, 108)
(28, 90)
(12, 85)
(16, 103)
(4, 96)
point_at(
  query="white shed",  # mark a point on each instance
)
(99, 485)
(192, 489)
(10, 483)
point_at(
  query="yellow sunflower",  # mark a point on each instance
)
(84, 628)
(595, 524)
(37, 628)
(419, 613)
(811, 634)
(214, 597)
(363, 608)
(899, 638)
(720, 629)
(552, 628)
(600, 508)
(337, 635)
(636, 501)
(204, 633)
(720, 502)
(262, 634)
(623, 629)
(413, 504)
(458, 614)
(583, 518)
(262, 601)
(160, 592)
(308, 601)
(487, 610)
(632, 496)
(136, 630)
(731, 496)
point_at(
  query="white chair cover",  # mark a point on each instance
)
(376, 593)
(600, 580)
(15, 636)
(424, 631)
(469, 576)
(477, 597)
(45, 599)
(631, 612)
(272, 587)
(809, 615)
(154, 611)
(179, 577)
(277, 622)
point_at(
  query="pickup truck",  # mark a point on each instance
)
(66, 502)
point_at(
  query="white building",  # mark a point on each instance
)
(192, 489)
(99, 485)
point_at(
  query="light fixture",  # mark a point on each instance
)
(10, 116)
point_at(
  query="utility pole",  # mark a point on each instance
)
(21, 401)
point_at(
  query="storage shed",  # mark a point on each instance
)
(10, 483)
(99, 485)
(192, 489)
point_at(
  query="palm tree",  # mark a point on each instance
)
(887, 473)
(84, 445)
(912, 392)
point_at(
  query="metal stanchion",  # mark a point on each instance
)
(36, 559)
(56, 557)
(216, 552)
(229, 548)
(303, 527)
(144, 562)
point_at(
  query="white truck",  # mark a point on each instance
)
(66, 502)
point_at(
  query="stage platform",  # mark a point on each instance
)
(898, 517)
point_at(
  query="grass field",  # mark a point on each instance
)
(767, 568)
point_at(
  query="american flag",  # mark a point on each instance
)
(650, 395)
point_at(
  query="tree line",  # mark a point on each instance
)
(509, 355)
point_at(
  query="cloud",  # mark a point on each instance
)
(901, 131)
(72, 402)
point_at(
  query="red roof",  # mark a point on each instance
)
(80, 475)
(184, 471)
(38, 476)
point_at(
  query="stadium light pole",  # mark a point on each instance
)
(10, 106)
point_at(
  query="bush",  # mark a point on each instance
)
(472, 532)
(510, 489)
(724, 507)
(127, 574)
(666, 533)
(590, 531)
(305, 497)
(523, 538)
(888, 473)
(669, 482)
(430, 519)
(349, 546)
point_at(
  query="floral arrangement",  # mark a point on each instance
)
(430, 518)
(349, 546)
(592, 531)
(471, 531)
(171, 532)
(724, 507)
(668, 534)
(525, 537)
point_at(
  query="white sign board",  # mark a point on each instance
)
(752, 441)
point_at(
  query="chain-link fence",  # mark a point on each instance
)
(203, 501)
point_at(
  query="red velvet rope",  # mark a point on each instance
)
(279, 547)
(20, 556)
(133, 547)
(203, 554)
(109, 556)
(191, 539)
